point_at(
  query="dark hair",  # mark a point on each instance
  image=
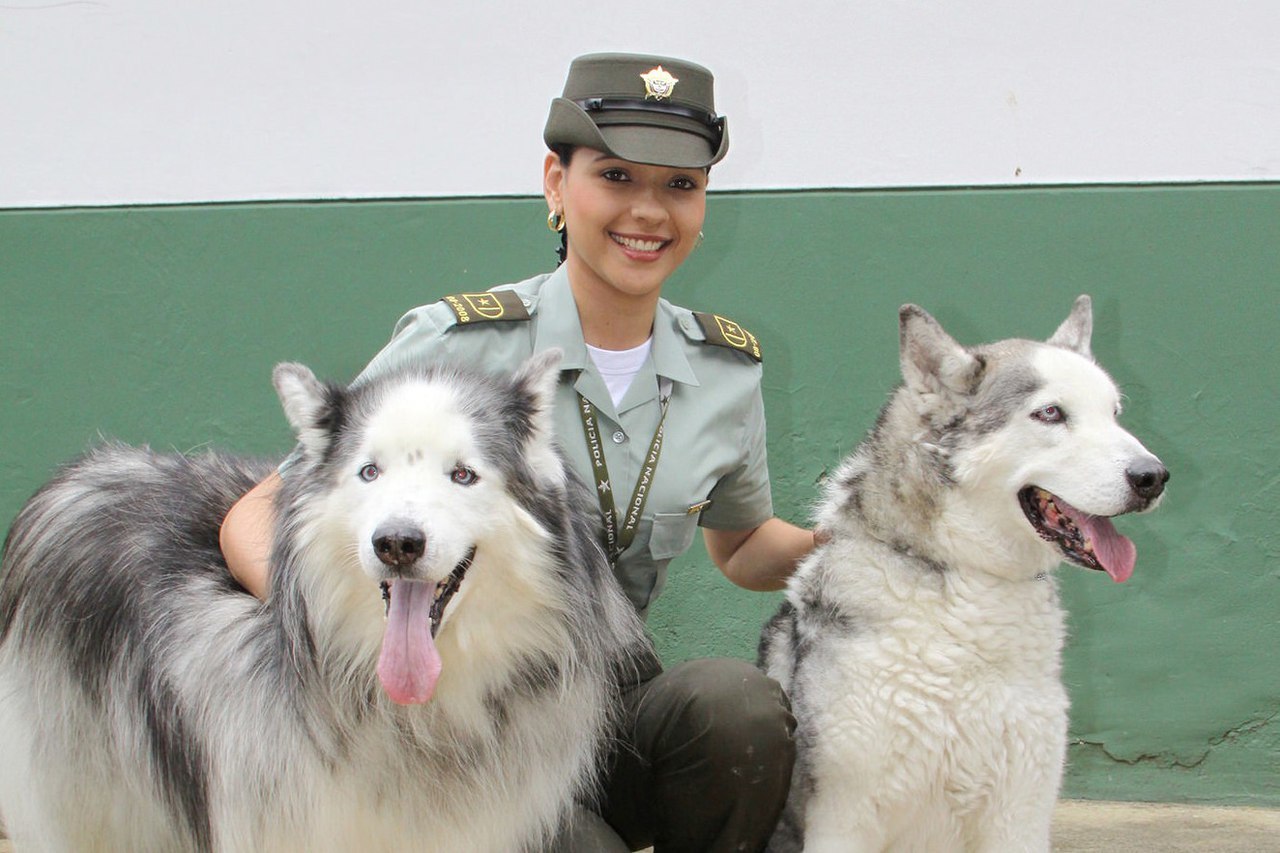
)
(564, 151)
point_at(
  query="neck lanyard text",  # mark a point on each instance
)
(616, 541)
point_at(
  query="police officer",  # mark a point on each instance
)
(659, 409)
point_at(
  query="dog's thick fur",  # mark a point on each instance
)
(921, 644)
(146, 704)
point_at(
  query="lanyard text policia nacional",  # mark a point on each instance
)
(617, 541)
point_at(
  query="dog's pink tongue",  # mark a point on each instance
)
(409, 665)
(1114, 551)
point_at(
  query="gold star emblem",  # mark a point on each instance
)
(485, 305)
(658, 83)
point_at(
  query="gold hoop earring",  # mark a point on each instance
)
(555, 221)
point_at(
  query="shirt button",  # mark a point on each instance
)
(619, 437)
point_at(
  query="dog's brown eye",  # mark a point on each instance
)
(464, 476)
(1049, 414)
(369, 473)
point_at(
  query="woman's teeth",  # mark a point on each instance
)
(638, 245)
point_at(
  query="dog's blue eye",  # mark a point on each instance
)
(464, 476)
(1049, 414)
(369, 473)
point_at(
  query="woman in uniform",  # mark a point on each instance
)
(708, 751)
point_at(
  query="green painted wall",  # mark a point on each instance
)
(160, 325)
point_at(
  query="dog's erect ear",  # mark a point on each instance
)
(534, 384)
(538, 377)
(932, 361)
(1076, 331)
(309, 405)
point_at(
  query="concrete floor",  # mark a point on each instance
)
(1091, 827)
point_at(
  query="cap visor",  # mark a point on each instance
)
(658, 146)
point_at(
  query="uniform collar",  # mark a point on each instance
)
(669, 358)
(558, 326)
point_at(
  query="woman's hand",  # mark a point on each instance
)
(245, 536)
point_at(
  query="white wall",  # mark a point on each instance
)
(124, 101)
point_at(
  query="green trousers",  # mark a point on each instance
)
(704, 764)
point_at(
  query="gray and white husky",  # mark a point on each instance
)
(921, 644)
(148, 705)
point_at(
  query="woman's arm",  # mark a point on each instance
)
(760, 558)
(245, 536)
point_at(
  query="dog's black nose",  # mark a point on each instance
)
(1147, 478)
(399, 547)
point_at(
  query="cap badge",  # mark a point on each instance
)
(658, 83)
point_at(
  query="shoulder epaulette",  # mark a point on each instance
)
(723, 332)
(489, 307)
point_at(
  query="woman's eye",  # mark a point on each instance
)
(683, 183)
(464, 476)
(369, 473)
(614, 175)
(1050, 414)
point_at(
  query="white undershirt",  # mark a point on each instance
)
(619, 367)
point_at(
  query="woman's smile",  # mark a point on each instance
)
(640, 248)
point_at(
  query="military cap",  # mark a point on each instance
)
(646, 109)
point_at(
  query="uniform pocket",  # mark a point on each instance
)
(672, 534)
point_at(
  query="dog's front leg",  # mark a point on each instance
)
(841, 825)
(1018, 819)
(1019, 814)
(1030, 837)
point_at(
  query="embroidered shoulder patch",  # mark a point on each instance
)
(488, 307)
(723, 332)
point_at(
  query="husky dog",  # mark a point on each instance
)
(921, 644)
(148, 705)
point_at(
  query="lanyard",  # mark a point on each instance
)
(618, 541)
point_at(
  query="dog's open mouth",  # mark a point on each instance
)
(409, 664)
(1087, 540)
(443, 592)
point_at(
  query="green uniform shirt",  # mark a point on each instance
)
(713, 469)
